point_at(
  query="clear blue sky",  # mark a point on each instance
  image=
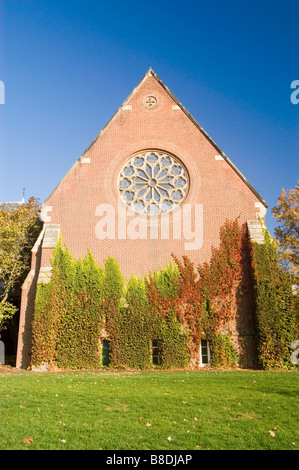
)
(68, 65)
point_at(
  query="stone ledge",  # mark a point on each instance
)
(256, 231)
(51, 236)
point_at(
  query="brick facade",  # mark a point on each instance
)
(217, 191)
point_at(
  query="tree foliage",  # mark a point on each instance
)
(286, 214)
(18, 232)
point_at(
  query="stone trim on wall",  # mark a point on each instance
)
(256, 231)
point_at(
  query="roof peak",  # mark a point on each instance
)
(150, 72)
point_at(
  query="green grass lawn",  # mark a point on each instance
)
(175, 410)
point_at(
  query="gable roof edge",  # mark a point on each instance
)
(94, 140)
(209, 138)
(115, 114)
(96, 137)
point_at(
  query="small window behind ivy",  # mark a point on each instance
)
(204, 352)
(157, 351)
(105, 352)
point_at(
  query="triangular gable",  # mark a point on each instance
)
(179, 104)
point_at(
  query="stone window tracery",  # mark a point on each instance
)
(152, 182)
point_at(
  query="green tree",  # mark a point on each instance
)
(18, 232)
(287, 232)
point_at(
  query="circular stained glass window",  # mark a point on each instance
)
(152, 183)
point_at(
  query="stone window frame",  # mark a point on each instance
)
(153, 182)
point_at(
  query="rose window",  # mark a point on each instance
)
(152, 183)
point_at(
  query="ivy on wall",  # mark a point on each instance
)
(168, 312)
(163, 289)
(112, 299)
(275, 306)
(223, 283)
(68, 313)
(136, 328)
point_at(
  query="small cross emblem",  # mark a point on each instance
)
(150, 101)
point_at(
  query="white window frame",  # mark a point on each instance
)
(208, 353)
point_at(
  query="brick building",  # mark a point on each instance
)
(152, 183)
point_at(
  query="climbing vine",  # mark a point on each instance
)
(160, 320)
(223, 282)
(135, 331)
(163, 294)
(68, 313)
(275, 306)
(112, 298)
